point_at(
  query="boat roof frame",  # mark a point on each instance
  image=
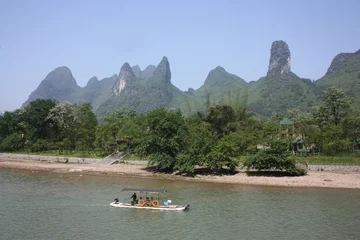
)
(142, 190)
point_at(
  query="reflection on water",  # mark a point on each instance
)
(40, 205)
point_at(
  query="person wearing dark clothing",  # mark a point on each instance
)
(134, 199)
(148, 203)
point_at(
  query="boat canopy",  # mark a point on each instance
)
(141, 190)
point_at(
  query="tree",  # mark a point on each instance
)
(351, 126)
(131, 129)
(114, 116)
(11, 122)
(220, 116)
(206, 150)
(105, 138)
(200, 142)
(222, 154)
(334, 139)
(302, 120)
(245, 141)
(35, 115)
(62, 117)
(114, 126)
(270, 130)
(314, 135)
(13, 142)
(85, 123)
(335, 107)
(164, 138)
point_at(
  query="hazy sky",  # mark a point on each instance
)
(95, 38)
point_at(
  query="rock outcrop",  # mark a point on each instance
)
(126, 76)
(163, 70)
(340, 61)
(280, 89)
(279, 58)
(61, 76)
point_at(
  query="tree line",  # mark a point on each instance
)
(211, 139)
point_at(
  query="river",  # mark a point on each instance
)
(44, 205)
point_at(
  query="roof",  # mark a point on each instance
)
(141, 190)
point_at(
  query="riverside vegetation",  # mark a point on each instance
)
(214, 139)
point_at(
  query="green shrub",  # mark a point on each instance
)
(13, 142)
(275, 158)
(40, 145)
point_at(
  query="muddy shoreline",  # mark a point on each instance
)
(345, 180)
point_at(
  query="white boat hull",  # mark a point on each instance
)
(161, 207)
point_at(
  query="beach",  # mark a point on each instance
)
(323, 179)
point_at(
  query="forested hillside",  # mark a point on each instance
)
(144, 90)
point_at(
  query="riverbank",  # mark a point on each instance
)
(349, 180)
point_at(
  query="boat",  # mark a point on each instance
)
(148, 202)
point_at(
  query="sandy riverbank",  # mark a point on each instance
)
(313, 179)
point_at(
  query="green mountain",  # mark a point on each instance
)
(59, 84)
(279, 92)
(344, 72)
(280, 89)
(219, 82)
(219, 87)
(96, 92)
(143, 95)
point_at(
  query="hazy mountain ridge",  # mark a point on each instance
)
(278, 91)
(148, 71)
(96, 92)
(58, 84)
(143, 95)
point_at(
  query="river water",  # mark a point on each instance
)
(42, 205)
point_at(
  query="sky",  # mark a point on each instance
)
(95, 38)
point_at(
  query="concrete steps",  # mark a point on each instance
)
(112, 158)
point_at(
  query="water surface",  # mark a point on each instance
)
(41, 205)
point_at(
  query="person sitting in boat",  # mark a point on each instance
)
(116, 200)
(134, 199)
